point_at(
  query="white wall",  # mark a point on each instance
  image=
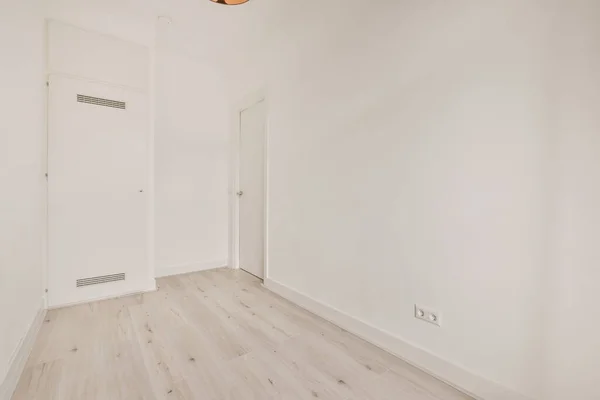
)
(191, 165)
(573, 346)
(75, 51)
(408, 165)
(131, 20)
(22, 88)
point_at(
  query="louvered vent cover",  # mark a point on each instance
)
(100, 279)
(100, 102)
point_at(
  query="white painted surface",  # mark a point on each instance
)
(572, 352)
(104, 23)
(252, 143)
(22, 187)
(407, 147)
(77, 52)
(130, 20)
(191, 163)
(97, 203)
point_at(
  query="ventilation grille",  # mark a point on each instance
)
(100, 279)
(100, 102)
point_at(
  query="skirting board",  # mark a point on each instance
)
(463, 380)
(19, 360)
(190, 267)
(152, 288)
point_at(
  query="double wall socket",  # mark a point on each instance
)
(428, 315)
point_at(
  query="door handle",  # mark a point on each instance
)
(240, 193)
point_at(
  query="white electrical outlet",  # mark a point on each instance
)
(428, 315)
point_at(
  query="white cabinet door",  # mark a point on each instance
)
(97, 203)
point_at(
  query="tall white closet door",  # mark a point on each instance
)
(97, 198)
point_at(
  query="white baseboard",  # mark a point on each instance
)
(456, 376)
(151, 289)
(190, 267)
(19, 359)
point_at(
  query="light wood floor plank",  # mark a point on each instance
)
(212, 335)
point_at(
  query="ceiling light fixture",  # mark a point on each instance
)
(230, 2)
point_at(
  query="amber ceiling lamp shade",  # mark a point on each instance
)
(230, 2)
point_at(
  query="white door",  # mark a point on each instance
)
(97, 203)
(252, 188)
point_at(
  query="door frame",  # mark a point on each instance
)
(234, 186)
